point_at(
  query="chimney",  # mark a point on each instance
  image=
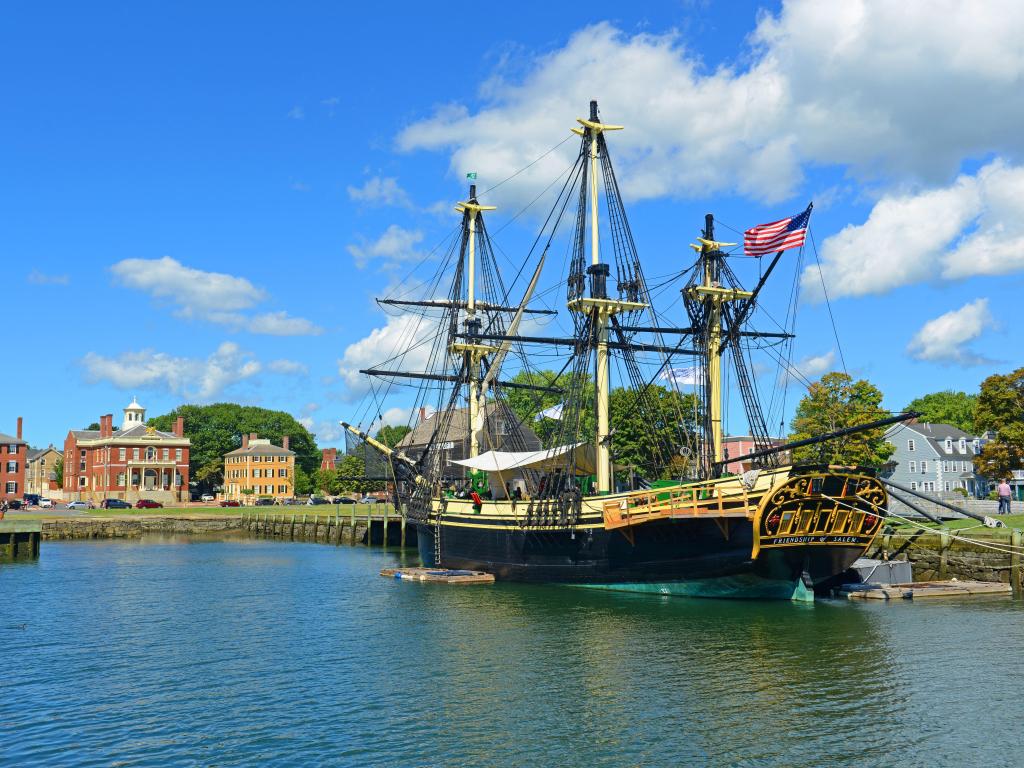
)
(423, 413)
(245, 442)
(19, 427)
(107, 425)
(179, 426)
(284, 442)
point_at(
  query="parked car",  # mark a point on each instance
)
(292, 502)
(369, 500)
(264, 502)
(46, 503)
(115, 504)
(14, 504)
(316, 501)
(148, 504)
(81, 505)
(206, 497)
(342, 500)
(231, 503)
(30, 499)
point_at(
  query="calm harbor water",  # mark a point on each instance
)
(225, 652)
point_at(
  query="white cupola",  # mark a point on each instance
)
(134, 415)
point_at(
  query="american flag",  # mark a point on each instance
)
(777, 236)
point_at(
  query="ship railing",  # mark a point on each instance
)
(709, 501)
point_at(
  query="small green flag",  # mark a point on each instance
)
(471, 175)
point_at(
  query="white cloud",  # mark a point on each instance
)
(212, 296)
(394, 246)
(879, 87)
(280, 324)
(681, 377)
(403, 343)
(943, 339)
(287, 366)
(296, 113)
(808, 369)
(380, 191)
(973, 226)
(196, 292)
(35, 277)
(185, 376)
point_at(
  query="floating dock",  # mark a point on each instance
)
(438, 575)
(921, 590)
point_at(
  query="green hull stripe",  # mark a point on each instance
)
(738, 587)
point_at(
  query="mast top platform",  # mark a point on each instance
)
(472, 205)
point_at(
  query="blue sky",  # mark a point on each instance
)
(199, 201)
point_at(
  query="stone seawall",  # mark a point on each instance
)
(937, 557)
(131, 527)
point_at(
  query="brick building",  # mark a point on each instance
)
(131, 463)
(259, 469)
(741, 445)
(328, 458)
(13, 451)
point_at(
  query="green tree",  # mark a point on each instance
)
(650, 433)
(352, 476)
(303, 481)
(95, 426)
(946, 407)
(836, 402)
(527, 404)
(218, 428)
(1001, 410)
(58, 471)
(326, 481)
(392, 436)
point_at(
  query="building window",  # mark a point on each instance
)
(969, 465)
(949, 445)
(282, 473)
(963, 445)
(282, 489)
(913, 486)
(81, 454)
(945, 466)
(177, 454)
(151, 454)
(120, 478)
(913, 466)
(947, 485)
(910, 445)
(82, 481)
(135, 454)
(12, 487)
(12, 449)
(121, 453)
(12, 466)
(924, 467)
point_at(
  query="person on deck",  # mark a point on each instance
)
(1003, 492)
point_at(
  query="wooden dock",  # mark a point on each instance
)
(19, 539)
(438, 575)
(923, 590)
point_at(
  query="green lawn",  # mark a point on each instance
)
(1010, 521)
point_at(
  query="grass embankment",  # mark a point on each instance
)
(977, 529)
(320, 510)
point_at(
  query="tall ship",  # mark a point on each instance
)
(573, 504)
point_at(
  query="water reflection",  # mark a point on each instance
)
(231, 651)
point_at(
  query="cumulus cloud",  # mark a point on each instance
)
(201, 379)
(296, 113)
(394, 246)
(380, 191)
(281, 324)
(212, 296)
(944, 339)
(287, 366)
(403, 343)
(35, 277)
(973, 226)
(808, 369)
(878, 87)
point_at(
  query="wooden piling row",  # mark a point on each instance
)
(330, 529)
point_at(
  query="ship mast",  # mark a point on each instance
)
(598, 305)
(714, 297)
(473, 352)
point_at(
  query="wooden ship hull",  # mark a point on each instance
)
(792, 529)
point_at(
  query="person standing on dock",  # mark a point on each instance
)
(1003, 492)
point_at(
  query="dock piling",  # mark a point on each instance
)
(1015, 544)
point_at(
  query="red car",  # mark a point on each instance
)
(148, 504)
(230, 503)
